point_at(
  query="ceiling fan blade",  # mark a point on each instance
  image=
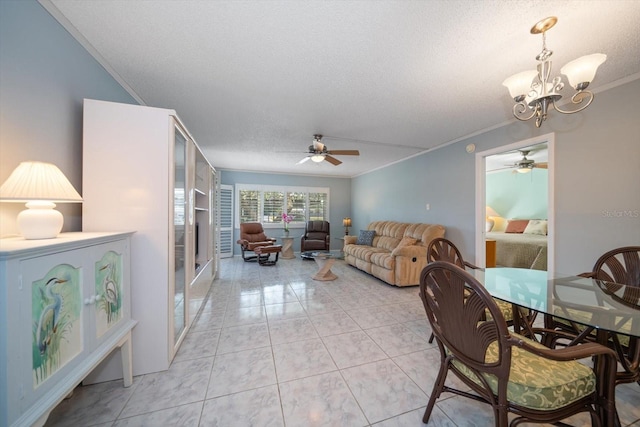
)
(332, 160)
(344, 152)
(542, 165)
(303, 160)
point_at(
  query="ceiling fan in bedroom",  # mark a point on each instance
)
(318, 152)
(525, 165)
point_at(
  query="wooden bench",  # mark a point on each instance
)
(264, 253)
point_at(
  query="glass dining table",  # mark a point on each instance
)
(601, 307)
(605, 306)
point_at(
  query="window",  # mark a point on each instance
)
(318, 203)
(266, 203)
(249, 205)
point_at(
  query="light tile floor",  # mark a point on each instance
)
(272, 347)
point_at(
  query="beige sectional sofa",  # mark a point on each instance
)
(398, 252)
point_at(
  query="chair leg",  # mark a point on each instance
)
(438, 386)
(247, 258)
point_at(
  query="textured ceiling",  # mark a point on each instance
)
(254, 80)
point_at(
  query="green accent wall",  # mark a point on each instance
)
(516, 195)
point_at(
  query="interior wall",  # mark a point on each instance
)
(44, 76)
(597, 201)
(339, 199)
(517, 196)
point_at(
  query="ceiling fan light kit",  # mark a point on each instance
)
(535, 95)
(524, 169)
(525, 165)
(318, 152)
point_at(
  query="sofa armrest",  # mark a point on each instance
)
(350, 240)
(412, 251)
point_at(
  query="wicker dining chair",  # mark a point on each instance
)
(508, 371)
(617, 266)
(441, 249)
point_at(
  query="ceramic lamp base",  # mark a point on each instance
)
(40, 221)
(489, 224)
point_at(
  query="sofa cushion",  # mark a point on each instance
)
(388, 233)
(383, 259)
(406, 241)
(363, 252)
(366, 237)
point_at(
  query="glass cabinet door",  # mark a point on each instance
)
(179, 223)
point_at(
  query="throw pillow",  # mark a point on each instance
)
(516, 225)
(536, 226)
(406, 241)
(366, 237)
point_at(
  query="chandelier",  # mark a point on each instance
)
(535, 95)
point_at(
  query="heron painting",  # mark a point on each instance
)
(108, 290)
(56, 306)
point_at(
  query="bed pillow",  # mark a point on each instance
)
(516, 225)
(536, 226)
(406, 241)
(366, 237)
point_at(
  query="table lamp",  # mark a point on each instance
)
(39, 185)
(347, 223)
(490, 221)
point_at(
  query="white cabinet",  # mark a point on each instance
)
(142, 170)
(65, 306)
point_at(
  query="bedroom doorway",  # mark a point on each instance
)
(535, 154)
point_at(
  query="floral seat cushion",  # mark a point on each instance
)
(536, 382)
(505, 308)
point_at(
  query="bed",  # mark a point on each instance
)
(520, 250)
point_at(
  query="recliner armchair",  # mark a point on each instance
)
(252, 236)
(317, 237)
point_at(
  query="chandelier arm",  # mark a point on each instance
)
(576, 99)
(519, 109)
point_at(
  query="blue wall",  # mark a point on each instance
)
(44, 76)
(597, 202)
(516, 195)
(339, 202)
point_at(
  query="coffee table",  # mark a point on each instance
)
(325, 261)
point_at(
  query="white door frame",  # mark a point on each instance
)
(481, 192)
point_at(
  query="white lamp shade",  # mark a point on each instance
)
(491, 212)
(583, 69)
(38, 181)
(317, 158)
(40, 185)
(520, 84)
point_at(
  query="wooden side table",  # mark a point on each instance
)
(287, 247)
(490, 254)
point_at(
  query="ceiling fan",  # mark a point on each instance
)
(525, 165)
(319, 152)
